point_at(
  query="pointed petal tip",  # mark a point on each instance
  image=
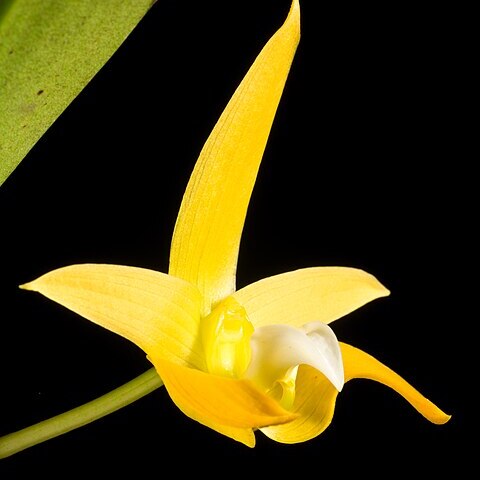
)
(432, 413)
(294, 17)
(295, 7)
(339, 380)
(27, 286)
(376, 285)
(250, 443)
(379, 290)
(386, 292)
(339, 385)
(286, 418)
(441, 418)
(34, 285)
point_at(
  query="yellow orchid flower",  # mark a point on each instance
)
(259, 358)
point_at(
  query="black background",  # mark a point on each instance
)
(361, 169)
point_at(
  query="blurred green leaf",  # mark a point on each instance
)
(49, 51)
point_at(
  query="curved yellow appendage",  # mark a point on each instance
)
(310, 294)
(359, 364)
(157, 312)
(207, 234)
(315, 396)
(215, 401)
(283, 390)
(314, 404)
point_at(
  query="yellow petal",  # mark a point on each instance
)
(314, 403)
(224, 404)
(157, 312)
(209, 225)
(310, 294)
(359, 364)
(315, 396)
(242, 435)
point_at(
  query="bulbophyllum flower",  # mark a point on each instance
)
(259, 358)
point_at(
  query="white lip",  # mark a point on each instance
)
(278, 348)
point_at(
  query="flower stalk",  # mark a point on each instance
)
(80, 416)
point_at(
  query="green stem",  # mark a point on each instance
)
(65, 422)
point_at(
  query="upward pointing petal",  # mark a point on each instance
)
(209, 225)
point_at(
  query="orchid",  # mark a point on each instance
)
(262, 357)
